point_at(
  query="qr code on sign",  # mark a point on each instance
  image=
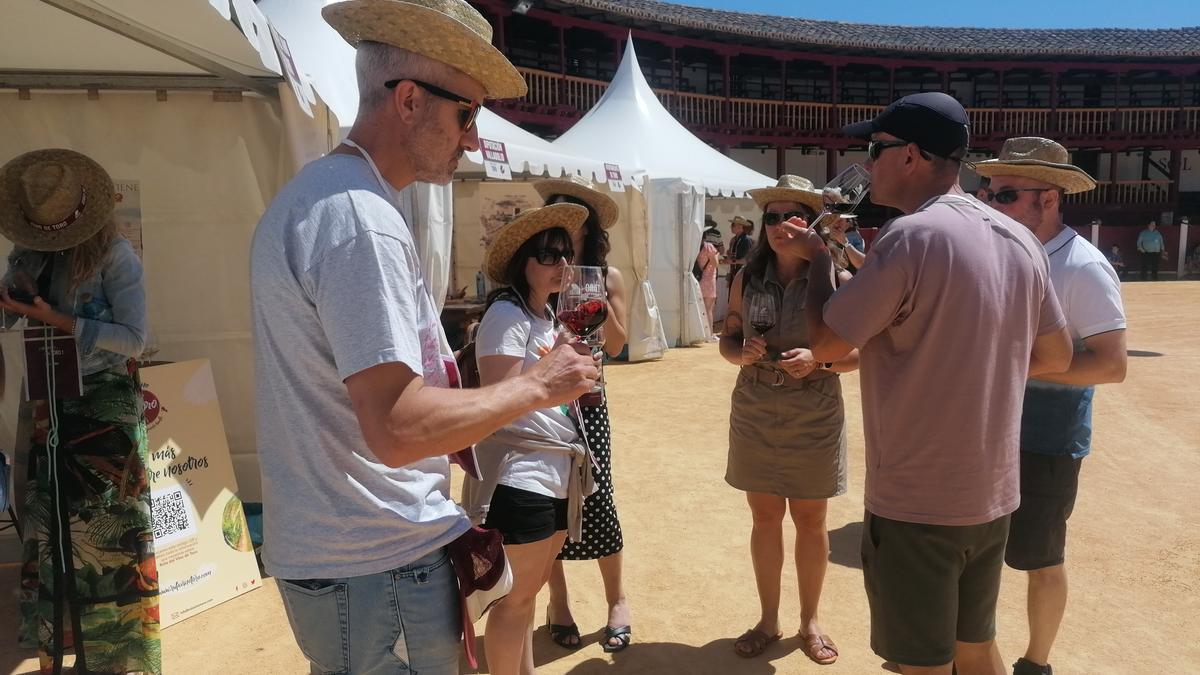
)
(172, 517)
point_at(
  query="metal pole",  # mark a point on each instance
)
(1183, 239)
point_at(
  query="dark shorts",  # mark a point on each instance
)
(1037, 537)
(930, 585)
(524, 517)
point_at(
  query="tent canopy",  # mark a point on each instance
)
(131, 39)
(529, 154)
(203, 167)
(629, 126)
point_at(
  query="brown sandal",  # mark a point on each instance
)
(814, 644)
(758, 641)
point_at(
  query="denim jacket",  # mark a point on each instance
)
(109, 308)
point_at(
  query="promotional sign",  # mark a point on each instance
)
(495, 159)
(612, 174)
(201, 538)
(290, 71)
(52, 367)
(129, 212)
(499, 203)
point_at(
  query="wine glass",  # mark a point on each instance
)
(844, 193)
(762, 313)
(583, 308)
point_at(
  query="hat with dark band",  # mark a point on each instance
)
(52, 200)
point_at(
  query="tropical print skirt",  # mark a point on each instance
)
(88, 578)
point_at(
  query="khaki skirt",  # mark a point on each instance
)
(787, 440)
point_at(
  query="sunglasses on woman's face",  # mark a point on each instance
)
(551, 256)
(773, 219)
(1010, 195)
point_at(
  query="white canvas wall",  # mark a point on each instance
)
(207, 171)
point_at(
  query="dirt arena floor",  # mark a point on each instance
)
(1133, 558)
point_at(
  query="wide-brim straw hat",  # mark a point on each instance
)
(517, 231)
(581, 188)
(449, 31)
(789, 189)
(1040, 159)
(52, 200)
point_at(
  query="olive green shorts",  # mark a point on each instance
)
(930, 586)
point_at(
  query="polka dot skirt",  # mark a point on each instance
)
(601, 529)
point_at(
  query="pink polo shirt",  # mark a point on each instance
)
(945, 311)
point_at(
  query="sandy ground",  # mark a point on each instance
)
(1134, 549)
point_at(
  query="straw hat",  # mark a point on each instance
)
(581, 189)
(450, 31)
(512, 236)
(51, 200)
(1040, 159)
(789, 189)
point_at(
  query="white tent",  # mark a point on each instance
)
(531, 158)
(178, 102)
(328, 61)
(629, 125)
(528, 154)
(450, 220)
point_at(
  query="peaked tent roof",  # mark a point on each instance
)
(321, 53)
(528, 153)
(629, 126)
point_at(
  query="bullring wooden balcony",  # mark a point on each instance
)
(570, 96)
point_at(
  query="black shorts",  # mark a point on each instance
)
(1038, 535)
(930, 586)
(524, 517)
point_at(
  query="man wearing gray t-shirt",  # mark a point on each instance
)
(951, 311)
(355, 406)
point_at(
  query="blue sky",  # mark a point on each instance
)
(980, 13)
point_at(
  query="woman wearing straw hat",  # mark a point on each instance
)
(787, 427)
(88, 501)
(602, 540)
(537, 469)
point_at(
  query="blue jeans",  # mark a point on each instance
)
(406, 620)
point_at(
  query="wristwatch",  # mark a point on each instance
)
(826, 365)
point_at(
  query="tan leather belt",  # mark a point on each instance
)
(775, 377)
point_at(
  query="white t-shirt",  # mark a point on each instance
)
(336, 289)
(506, 330)
(1088, 289)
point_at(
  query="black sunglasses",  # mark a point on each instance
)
(1011, 194)
(469, 109)
(551, 256)
(876, 148)
(773, 219)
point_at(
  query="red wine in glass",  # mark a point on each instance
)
(762, 326)
(585, 318)
(582, 309)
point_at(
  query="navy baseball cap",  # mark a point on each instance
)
(935, 121)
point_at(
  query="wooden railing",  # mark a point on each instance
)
(806, 116)
(693, 109)
(1191, 119)
(582, 93)
(1149, 120)
(544, 88)
(849, 114)
(1132, 192)
(1084, 121)
(552, 90)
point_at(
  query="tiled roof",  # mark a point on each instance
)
(1176, 43)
